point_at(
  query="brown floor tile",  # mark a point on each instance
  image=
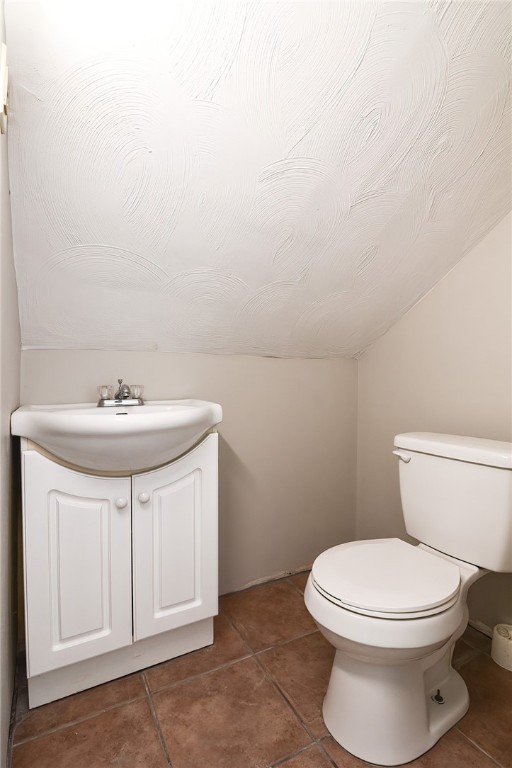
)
(312, 757)
(124, 737)
(230, 718)
(300, 580)
(79, 706)
(452, 751)
(340, 756)
(268, 614)
(302, 669)
(489, 720)
(477, 640)
(463, 653)
(228, 646)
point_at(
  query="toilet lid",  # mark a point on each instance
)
(386, 576)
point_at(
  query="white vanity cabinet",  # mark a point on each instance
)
(120, 572)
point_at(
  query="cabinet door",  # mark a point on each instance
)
(175, 542)
(77, 548)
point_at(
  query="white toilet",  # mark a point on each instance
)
(393, 610)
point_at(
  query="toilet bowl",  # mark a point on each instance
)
(382, 703)
(393, 610)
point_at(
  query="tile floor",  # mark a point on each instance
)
(252, 700)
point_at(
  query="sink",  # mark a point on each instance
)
(118, 439)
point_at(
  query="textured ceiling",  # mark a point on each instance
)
(275, 178)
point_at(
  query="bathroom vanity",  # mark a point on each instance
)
(120, 570)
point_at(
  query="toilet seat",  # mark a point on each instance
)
(387, 578)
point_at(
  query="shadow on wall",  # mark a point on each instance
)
(489, 598)
(238, 493)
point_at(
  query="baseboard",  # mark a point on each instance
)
(480, 627)
(275, 577)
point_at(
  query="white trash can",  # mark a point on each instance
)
(501, 650)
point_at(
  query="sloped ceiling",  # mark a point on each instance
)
(274, 178)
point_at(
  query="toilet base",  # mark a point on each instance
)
(385, 713)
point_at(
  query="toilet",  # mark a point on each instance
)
(393, 610)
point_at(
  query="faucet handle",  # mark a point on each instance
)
(137, 390)
(105, 391)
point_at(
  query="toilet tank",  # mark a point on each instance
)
(457, 495)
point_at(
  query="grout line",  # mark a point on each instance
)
(295, 586)
(207, 672)
(324, 751)
(477, 745)
(282, 643)
(278, 644)
(291, 756)
(77, 721)
(466, 659)
(234, 626)
(156, 722)
(474, 647)
(286, 700)
(317, 742)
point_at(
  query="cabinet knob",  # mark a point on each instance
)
(143, 498)
(121, 502)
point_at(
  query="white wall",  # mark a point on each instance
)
(444, 367)
(9, 399)
(287, 448)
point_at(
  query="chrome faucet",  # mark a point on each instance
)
(124, 392)
(123, 396)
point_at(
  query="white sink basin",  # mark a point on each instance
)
(117, 439)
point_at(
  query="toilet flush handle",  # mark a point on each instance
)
(403, 456)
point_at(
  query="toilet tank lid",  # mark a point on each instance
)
(476, 450)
